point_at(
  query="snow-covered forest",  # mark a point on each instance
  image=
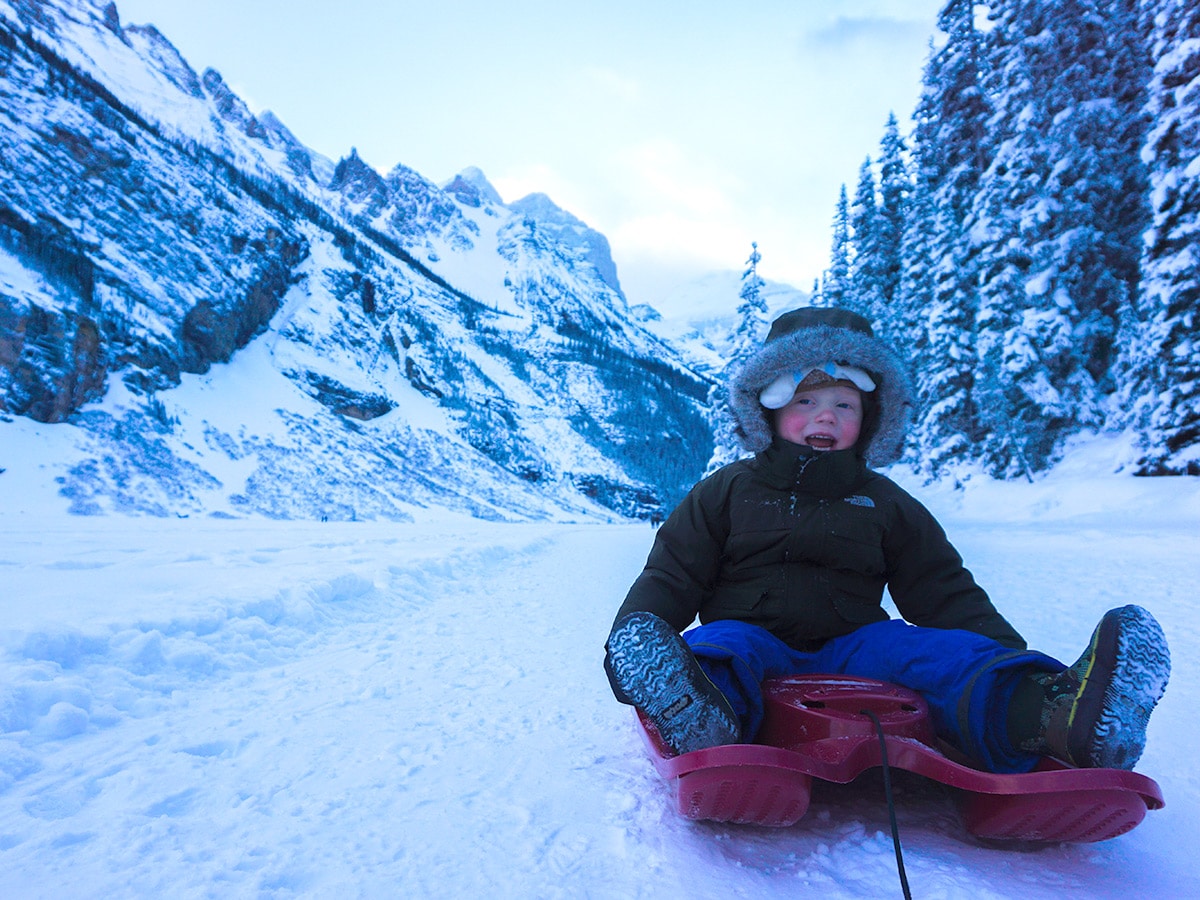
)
(1032, 243)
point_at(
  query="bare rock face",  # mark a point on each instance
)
(135, 251)
(54, 363)
(361, 185)
(212, 333)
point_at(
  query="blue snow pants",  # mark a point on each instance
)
(968, 680)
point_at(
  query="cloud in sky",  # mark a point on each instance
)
(663, 173)
(681, 130)
(620, 87)
(845, 34)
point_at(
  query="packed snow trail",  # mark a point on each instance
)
(203, 708)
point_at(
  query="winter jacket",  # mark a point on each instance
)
(802, 543)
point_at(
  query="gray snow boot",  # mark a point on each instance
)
(656, 671)
(1095, 713)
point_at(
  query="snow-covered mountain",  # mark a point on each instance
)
(200, 315)
(700, 316)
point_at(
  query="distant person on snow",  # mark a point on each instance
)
(784, 558)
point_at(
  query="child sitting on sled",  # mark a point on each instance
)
(784, 558)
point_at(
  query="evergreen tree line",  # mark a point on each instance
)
(1031, 246)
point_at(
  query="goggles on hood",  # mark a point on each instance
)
(777, 394)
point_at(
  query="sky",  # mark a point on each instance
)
(682, 131)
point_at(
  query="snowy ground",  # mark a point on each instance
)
(195, 708)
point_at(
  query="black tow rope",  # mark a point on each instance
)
(891, 803)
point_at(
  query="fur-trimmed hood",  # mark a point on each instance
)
(804, 338)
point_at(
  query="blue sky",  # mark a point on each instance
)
(683, 131)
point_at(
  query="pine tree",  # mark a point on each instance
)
(895, 189)
(752, 309)
(1167, 363)
(913, 304)
(1052, 280)
(748, 336)
(837, 278)
(1015, 393)
(817, 296)
(1098, 181)
(877, 220)
(865, 296)
(938, 290)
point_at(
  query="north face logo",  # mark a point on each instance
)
(859, 500)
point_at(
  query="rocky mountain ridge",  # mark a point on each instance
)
(411, 346)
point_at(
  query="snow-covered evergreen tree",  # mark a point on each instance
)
(1098, 182)
(1166, 355)
(877, 224)
(938, 290)
(895, 189)
(817, 297)
(748, 336)
(865, 296)
(1052, 280)
(752, 310)
(837, 278)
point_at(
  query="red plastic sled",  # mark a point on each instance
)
(815, 728)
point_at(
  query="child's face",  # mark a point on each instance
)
(824, 418)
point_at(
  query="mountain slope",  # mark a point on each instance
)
(384, 343)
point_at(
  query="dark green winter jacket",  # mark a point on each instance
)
(802, 543)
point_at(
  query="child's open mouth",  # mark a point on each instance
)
(820, 441)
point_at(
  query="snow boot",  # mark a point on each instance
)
(656, 671)
(1094, 714)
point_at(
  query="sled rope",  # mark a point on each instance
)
(891, 803)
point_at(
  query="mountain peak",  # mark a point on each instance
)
(229, 105)
(358, 182)
(471, 187)
(112, 19)
(571, 232)
(541, 208)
